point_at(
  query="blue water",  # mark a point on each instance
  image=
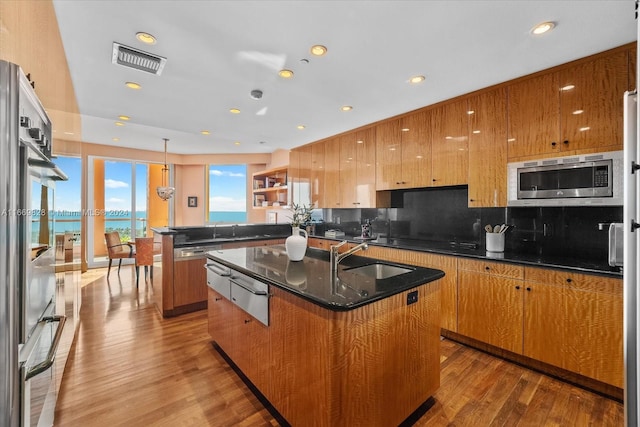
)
(230, 217)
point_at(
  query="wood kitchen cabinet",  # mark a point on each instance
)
(576, 109)
(189, 282)
(574, 321)
(358, 170)
(490, 303)
(300, 175)
(403, 152)
(488, 149)
(317, 175)
(450, 144)
(332, 180)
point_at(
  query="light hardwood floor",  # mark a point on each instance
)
(131, 367)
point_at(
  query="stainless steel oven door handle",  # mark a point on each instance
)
(249, 289)
(51, 355)
(218, 271)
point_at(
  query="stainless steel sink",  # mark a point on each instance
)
(379, 270)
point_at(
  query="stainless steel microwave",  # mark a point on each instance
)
(584, 180)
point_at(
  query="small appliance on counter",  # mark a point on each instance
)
(334, 233)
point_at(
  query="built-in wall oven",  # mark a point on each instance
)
(29, 327)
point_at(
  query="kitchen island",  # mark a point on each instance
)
(350, 349)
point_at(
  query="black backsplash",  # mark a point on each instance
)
(442, 216)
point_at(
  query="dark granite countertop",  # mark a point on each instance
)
(311, 278)
(470, 251)
(258, 232)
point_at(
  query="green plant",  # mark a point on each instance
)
(301, 214)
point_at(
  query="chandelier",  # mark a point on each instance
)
(165, 192)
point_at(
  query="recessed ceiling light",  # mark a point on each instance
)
(416, 79)
(301, 127)
(567, 87)
(146, 38)
(543, 28)
(285, 74)
(234, 111)
(577, 112)
(133, 85)
(125, 118)
(119, 124)
(346, 108)
(318, 50)
(236, 143)
(115, 139)
(205, 132)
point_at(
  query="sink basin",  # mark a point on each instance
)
(379, 270)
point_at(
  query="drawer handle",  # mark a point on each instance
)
(218, 271)
(247, 321)
(247, 288)
(487, 268)
(218, 298)
(529, 288)
(569, 280)
(518, 287)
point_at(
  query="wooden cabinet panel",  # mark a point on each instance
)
(358, 169)
(544, 329)
(533, 116)
(490, 309)
(488, 149)
(388, 155)
(633, 57)
(219, 310)
(293, 176)
(416, 150)
(319, 243)
(332, 183)
(495, 268)
(450, 144)
(575, 321)
(317, 175)
(590, 103)
(189, 282)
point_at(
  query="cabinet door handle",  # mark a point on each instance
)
(553, 144)
(569, 280)
(518, 287)
(565, 142)
(529, 288)
(487, 268)
(247, 321)
(218, 298)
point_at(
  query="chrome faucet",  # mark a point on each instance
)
(335, 257)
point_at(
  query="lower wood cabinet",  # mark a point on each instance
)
(569, 320)
(189, 282)
(574, 321)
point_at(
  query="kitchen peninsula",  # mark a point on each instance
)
(357, 348)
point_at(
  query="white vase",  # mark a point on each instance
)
(296, 244)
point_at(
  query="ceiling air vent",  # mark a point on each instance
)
(134, 58)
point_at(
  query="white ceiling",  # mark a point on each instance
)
(218, 51)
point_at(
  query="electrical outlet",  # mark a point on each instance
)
(412, 297)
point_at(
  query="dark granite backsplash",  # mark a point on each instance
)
(442, 216)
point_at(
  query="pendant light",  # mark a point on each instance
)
(165, 192)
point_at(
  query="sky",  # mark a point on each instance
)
(227, 184)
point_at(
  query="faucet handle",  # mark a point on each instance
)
(337, 245)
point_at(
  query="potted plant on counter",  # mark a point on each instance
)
(296, 244)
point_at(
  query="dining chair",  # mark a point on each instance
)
(117, 249)
(144, 256)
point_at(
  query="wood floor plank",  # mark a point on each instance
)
(131, 367)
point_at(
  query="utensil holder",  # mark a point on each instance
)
(495, 242)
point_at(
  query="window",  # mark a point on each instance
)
(228, 194)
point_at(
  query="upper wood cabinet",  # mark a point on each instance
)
(575, 109)
(591, 108)
(403, 152)
(488, 149)
(450, 144)
(317, 175)
(358, 169)
(332, 179)
(300, 175)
